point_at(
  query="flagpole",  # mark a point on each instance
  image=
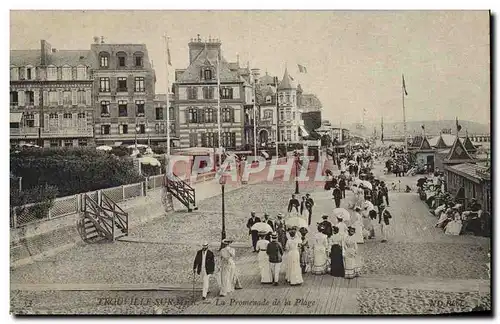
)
(277, 114)
(255, 119)
(218, 109)
(167, 101)
(404, 113)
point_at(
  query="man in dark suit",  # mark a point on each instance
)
(204, 265)
(328, 230)
(342, 184)
(309, 207)
(255, 234)
(293, 203)
(337, 196)
(270, 223)
(275, 252)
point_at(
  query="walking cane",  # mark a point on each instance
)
(194, 278)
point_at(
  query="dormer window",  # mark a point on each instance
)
(207, 74)
(122, 59)
(268, 99)
(104, 60)
(51, 73)
(138, 59)
(29, 73)
(66, 73)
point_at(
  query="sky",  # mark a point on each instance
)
(354, 59)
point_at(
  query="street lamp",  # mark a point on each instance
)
(148, 130)
(297, 173)
(137, 129)
(222, 181)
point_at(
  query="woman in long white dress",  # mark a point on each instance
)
(264, 266)
(454, 227)
(320, 247)
(358, 226)
(229, 280)
(351, 261)
(293, 269)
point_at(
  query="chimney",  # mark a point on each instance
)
(96, 39)
(197, 45)
(45, 50)
(102, 39)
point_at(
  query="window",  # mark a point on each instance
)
(81, 97)
(227, 115)
(140, 107)
(53, 120)
(81, 115)
(81, 73)
(268, 114)
(122, 57)
(282, 115)
(139, 84)
(209, 139)
(288, 114)
(104, 108)
(14, 100)
(192, 93)
(104, 85)
(288, 135)
(159, 113)
(29, 73)
(124, 129)
(171, 113)
(138, 59)
(30, 98)
(66, 73)
(54, 143)
(122, 108)
(14, 74)
(67, 116)
(142, 129)
(105, 129)
(53, 98)
(82, 142)
(67, 98)
(268, 99)
(51, 73)
(226, 93)
(207, 74)
(228, 139)
(29, 120)
(122, 85)
(293, 115)
(104, 60)
(209, 115)
(281, 98)
(68, 142)
(193, 139)
(208, 93)
(193, 115)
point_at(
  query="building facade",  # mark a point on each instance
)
(124, 92)
(290, 123)
(267, 100)
(51, 97)
(160, 123)
(195, 98)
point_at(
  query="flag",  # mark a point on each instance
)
(382, 130)
(423, 127)
(302, 69)
(404, 85)
(168, 55)
(459, 127)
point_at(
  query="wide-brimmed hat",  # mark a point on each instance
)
(227, 241)
(205, 244)
(274, 236)
(266, 214)
(324, 216)
(280, 215)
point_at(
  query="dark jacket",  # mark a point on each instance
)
(385, 216)
(337, 194)
(209, 262)
(293, 203)
(342, 184)
(270, 223)
(251, 222)
(309, 203)
(275, 252)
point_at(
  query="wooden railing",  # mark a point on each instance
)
(181, 190)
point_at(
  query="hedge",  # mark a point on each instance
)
(72, 170)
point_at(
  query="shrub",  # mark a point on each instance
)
(72, 170)
(42, 196)
(120, 151)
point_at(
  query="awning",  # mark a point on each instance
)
(15, 117)
(304, 131)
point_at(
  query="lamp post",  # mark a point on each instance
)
(297, 173)
(222, 181)
(148, 130)
(137, 129)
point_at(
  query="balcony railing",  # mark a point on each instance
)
(266, 122)
(24, 131)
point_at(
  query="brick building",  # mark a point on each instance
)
(124, 92)
(195, 97)
(51, 97)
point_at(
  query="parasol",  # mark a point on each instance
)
(341, 213)
(262, 227)
(357, 182)
(296, 221)
(104, 148)
(149, 160)
(138, 146)
(352, 162)
(29, 145)
(367, 184)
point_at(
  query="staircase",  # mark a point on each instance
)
(103, 220)
(181, 190)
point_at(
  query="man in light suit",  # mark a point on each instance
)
(204, 265)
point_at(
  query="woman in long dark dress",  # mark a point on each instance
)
(336, 254)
